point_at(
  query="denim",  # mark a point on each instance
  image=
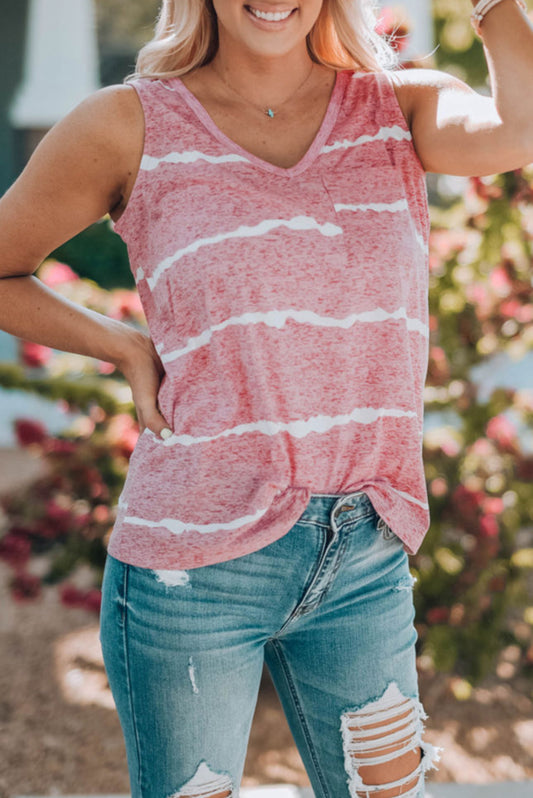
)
(328, 608)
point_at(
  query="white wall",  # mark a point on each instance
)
(61, 62)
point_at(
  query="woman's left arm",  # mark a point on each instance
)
(458, 131)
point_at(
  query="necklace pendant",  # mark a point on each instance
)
(269, 112)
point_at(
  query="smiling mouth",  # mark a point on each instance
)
(270, 16)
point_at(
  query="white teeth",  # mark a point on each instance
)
(271, 16)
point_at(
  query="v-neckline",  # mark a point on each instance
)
(307, 158)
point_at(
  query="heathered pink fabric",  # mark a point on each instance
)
(289, 308)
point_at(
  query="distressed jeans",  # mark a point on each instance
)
(328, 608)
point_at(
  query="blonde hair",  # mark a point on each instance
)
(343, 37)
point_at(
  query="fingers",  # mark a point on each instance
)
(155, 422)
(145, 374)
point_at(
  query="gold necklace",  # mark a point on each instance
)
(268, 111)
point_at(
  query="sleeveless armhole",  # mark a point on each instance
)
(126, 222)
(395, 110)
(408, 162)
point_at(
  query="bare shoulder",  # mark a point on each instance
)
(111, 117)
(416, 88)
(107, 131)
(81, 170)
(109, 114)
(115, 105)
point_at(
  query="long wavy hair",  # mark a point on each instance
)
(343, 37)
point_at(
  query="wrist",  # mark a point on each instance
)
(124, 344)
(482, 7)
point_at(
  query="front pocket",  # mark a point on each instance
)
(365, 185)
(385, 259)
(384, 530)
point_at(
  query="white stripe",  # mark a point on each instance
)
(245, 231)
(399, 205)
(150, 162)
(424, 505)
(298, 429)
(278, 319)
(178, 527)
(420, 241)
(393, 132)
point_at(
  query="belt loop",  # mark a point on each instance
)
(345, 498)
(341, 500)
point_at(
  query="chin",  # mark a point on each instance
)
(264, 37)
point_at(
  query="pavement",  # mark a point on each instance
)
(504, 789)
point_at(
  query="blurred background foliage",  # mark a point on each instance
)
(474, 571)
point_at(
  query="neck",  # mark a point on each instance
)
(268, 78)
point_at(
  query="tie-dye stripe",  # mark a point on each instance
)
(288, 307)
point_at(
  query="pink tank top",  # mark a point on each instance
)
(289, 309)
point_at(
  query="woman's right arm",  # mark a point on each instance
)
(83, 168)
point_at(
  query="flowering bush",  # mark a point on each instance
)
(66, 516)
(473, 566)
(64, 519)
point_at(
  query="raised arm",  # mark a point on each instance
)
(84, 168)
(458, 131)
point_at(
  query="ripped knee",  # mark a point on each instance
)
(206, 783)
(384, 754)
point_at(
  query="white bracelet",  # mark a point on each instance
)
(483, 7)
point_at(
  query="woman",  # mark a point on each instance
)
(266, 169)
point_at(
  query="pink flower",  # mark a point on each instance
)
(493, 505)
(101, 514)
(467, 502)
(122, 433)
(25, 586)
(29, 431)
(478, 295)
(450, 447)
(60, 517)
(501, 430)
(59, 446)
(445, 243)
(48, 529)
(438, 368)
(524, 313)
(390, 25)
(71, 596)
(15, 549)
(499, 280)
(484, 189)
(93, 600)
(482, 448)
(488, 527)
(53, 273)
(438, 615)
(126, 305)
(438, 487)
(510, 308)
(34, 355)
